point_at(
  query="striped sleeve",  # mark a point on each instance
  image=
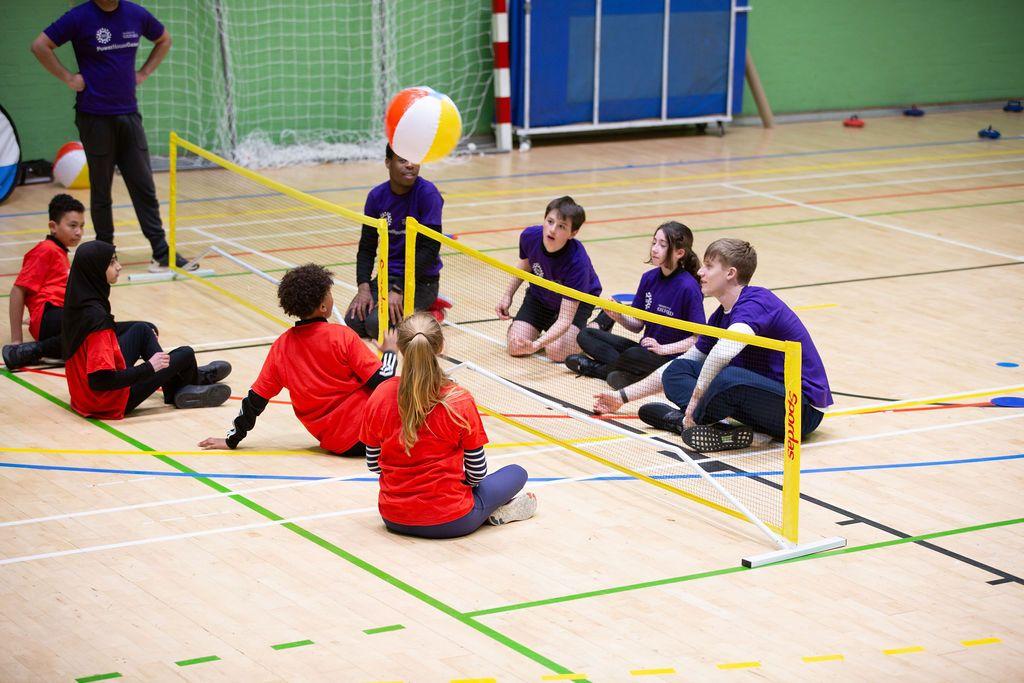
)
(476, 466)
(372, 457)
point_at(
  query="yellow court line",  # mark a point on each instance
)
(814, 307)
(884, 407)
(240, 453)
(739, 665)
(651, 672)
(696, 177)
(562, 677)
(624, 183)
(474, 680)
(904, 650)
(527, 444)
(980, 641)
(101, 451)
(823, 658)
(619, 468)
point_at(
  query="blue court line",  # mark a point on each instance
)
(296, 477)
(573, 171)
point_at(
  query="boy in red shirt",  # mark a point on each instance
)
(40, 286)
(100, 355)
(424, 437)
(328, 371)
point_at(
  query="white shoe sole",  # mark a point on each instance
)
(519, 508)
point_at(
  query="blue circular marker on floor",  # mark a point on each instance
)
(623, 298)
(1009, 401)
(1008, 364)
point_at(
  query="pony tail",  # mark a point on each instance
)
(418, 387)
(420, 340)
(691, 264)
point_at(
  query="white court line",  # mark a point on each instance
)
(756, 181)
(871, 437)
(259, 489)
(232, 342)
(177, 501)
(353, 511)
(878, 223)
(121, 481)
(711, 198)
(179, 537)
(645, 191)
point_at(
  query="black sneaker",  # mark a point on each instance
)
(718, 437)
(20, 355)
(211, 373)
(584, 365)
(620, 379)
(662, 416)
(196, 396)
(179, 260)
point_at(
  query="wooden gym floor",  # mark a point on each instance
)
(124, 552)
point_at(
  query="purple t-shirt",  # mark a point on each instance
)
(105, 44)
(569, 266)
(423, 202)
(768, 316)
(677, 296)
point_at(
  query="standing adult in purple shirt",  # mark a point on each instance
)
(672, 289)
(404, 194)
(105, 35)
(719, 379)
(547, 320)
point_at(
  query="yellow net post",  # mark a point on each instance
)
(383, 313)
(794, 424)
(172, 211)
(412, 231)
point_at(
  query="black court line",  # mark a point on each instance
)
(837, 282)
(870, 398)
(851, 517)
(891, 277)
(232, 348)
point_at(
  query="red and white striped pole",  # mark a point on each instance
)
(502, 80)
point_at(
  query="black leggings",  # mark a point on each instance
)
(138, 342)
(49, 331)
(616, 353)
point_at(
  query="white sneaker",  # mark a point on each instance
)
(519, 508)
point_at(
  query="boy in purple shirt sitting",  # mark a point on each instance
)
(547, 320)
(718, 378)
(404, 194)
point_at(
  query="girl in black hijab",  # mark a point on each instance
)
(103, 379)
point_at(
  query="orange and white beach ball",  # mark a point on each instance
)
(422, 125)
(70, 168)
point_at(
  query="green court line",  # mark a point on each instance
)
(287, 646)
(98, 677)
(383, 629)
(310, 536)
(198, 660)
(734, 570)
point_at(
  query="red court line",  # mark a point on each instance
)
(284, 403)
(761, 207)
(983, 404)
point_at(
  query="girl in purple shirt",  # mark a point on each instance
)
(672, 289)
